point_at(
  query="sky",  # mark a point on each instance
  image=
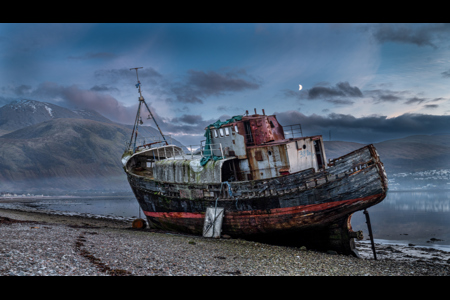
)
(350, 82)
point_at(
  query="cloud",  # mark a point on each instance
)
(370, 129)
(188, 119)
(337, 95)
(20, 90)
(417, 34)
(74, 97)
(115, 75)
(342, 89)
(103, 88)
(95, 55)
(431, 106)
(446, 74)
(415, 100)
(340, 102)
(200, 84)
(383, 95)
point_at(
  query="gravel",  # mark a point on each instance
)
(36, 244)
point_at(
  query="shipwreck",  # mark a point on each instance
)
(255, 179)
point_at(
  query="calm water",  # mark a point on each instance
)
(409, 217)
(403, 217)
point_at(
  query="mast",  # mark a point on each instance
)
(138, 118)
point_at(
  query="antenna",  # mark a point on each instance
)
(138, 85)
(141, 100)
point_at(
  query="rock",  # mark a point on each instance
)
(332, 252)
(303, 248)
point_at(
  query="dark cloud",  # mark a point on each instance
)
(337, 95)
(20, 90)
(188, 119)
(201, 84)
(415, 100)
(96, 55)
(340, 102)
(370, 129)
(417, 34)
(103, 88)
(342, 89)
(388, 98)
(431, 106)
(383, 95)
(446, 74)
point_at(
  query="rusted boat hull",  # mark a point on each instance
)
(305, 208)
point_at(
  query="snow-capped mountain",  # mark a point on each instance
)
(23, 113)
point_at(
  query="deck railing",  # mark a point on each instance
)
(292, 131)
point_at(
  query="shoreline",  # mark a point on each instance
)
(214, 257)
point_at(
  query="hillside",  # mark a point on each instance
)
(46, 147)
(63, 154)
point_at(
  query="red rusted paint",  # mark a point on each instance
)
(274, 212)
(174, 215)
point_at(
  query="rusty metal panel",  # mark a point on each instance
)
(273, 158)
(258, 155)
(276, 128)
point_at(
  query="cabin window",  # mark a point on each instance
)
(227, 131)
(215, 133)
(236, 128)
(271, 124)
(221, 132)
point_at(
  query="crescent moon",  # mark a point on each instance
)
(299, 87)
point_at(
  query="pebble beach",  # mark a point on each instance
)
(40, 244)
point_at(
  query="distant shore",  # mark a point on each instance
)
(37, 197)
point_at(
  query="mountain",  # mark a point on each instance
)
(19, 114)
(63, 154)
(51, 148)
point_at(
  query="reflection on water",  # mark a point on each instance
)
(403, 217)
(410, 217)
(114, 206)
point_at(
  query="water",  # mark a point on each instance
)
(402, 218)
(409, 217)
(125, 206)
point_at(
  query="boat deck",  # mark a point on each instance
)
(148, 173)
